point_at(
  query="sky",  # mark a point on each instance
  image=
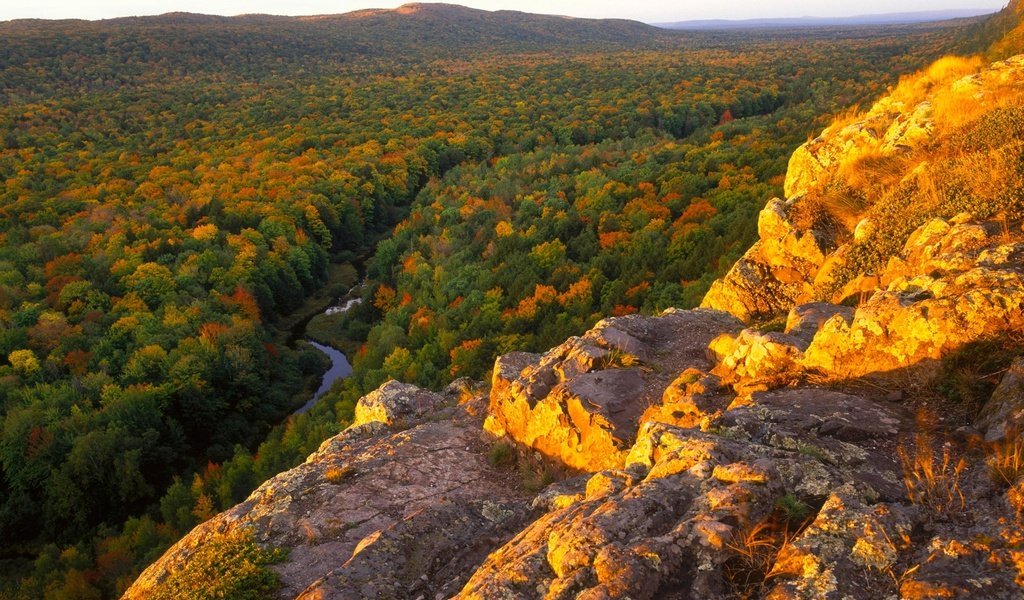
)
(650, 11)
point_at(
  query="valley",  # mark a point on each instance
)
(183, 195)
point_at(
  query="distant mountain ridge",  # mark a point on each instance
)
(901, 18)
(423, 31)
(267, 45)
(413, 18)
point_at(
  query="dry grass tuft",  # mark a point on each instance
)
(932, 476)
(843, 118)
(756, 548)
(950, 68)
(1006, 461)
(954, 107)
(913, 89)
(336, 475)
(501, 453)
(871, 173)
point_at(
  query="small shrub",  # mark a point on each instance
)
(793, 509)
(774, 325)
(537, 476)
(617, 359)
(228, 567)
(969, 375)
(501, 454)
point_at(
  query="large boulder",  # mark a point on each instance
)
(394, 402)
(754, 360)
(581, 402)
(776, 272)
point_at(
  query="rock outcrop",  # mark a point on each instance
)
(581, 402)
(706, 453)
(378, 511)
(777, 272)
(952, 285)
(793, 264)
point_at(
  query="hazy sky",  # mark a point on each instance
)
(643, 10)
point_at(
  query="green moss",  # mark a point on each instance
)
(812, 451)
(227, 567)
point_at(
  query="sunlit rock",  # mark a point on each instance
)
(582, 401)
(394, 401)
(847, 552)
(952, 285)
(776, 272)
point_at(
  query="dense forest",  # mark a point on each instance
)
(176, 188)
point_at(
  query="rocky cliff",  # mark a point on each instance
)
(839, 421)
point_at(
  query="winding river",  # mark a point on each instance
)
(340, 367)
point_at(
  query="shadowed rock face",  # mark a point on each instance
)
(1003, 414)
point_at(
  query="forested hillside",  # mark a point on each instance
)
(174, 186)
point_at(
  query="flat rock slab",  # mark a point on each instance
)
(842, 431)
(375, 513)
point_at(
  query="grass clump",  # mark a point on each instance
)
(777, 325)
(535, 471)
(501, 454)
(793, 509)
(756, 548)
(932, 476)
(619, 359)
(1006, 462)
(536, 478)
(228, 567)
